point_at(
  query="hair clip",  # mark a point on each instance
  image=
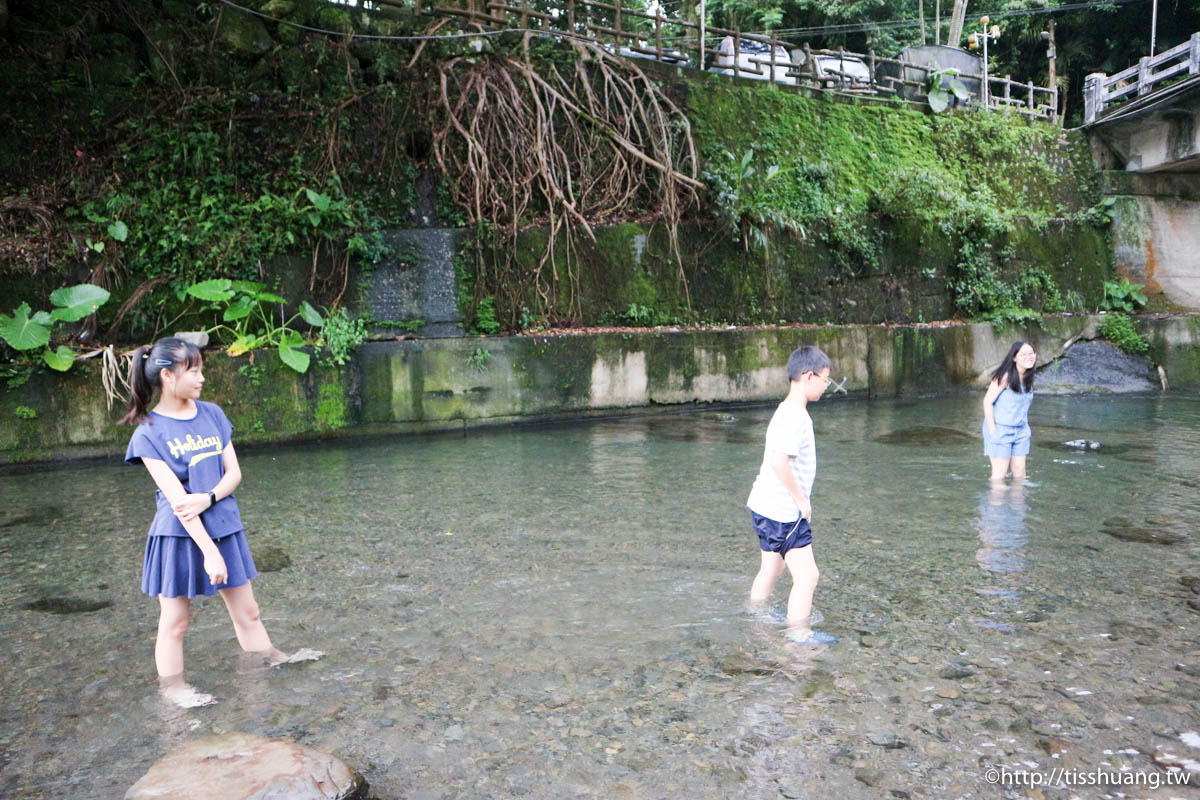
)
(162, 362)
(145, 356)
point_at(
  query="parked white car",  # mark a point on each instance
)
(834, 72)
(753, 61)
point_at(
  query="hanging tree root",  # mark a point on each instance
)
(565, 146)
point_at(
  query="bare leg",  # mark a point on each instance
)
(803, 566)
(1000, 468)
(173, 615)
(168, 654)
(1018, 468)
(769, 571)
(252, 634)
(243, 610)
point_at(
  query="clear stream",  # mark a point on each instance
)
(557, 611)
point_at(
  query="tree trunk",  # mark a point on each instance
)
(956, 23)
(921, 17)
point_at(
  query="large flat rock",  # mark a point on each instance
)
(243, 766)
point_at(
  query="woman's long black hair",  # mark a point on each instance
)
(1007, 375)
(145, 372)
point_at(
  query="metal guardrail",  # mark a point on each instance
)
(686, 43)
(1101, 90)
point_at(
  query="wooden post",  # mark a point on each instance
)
(571, 16)
(1143, 84)
(703, 11)
(937, 23)
(620, 35)
(737, 42)
(1093, 100)
(525, 14)
(417, 7)
(1052, 54)
(1031, 102)
(657, 31)
(772, 46)
(871, 54)
(1007, 89)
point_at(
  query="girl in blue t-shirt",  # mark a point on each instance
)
(196, 545)
(1006, 432)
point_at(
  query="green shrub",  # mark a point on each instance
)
(1118, 329)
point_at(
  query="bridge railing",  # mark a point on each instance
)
(642, 34)
(1101, 90)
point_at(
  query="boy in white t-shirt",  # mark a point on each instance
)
(780, 508)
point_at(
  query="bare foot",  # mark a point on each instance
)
(184, 695)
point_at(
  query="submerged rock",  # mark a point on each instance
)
(240, 766)
(66, 605)
(1127, 531)
(924, 435)
(271, 559)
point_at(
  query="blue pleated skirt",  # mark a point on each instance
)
(174, 566)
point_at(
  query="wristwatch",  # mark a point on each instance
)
(212, 499)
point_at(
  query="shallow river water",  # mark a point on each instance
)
(557, 611)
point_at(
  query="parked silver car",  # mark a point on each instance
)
(753, 61)
(833, 71)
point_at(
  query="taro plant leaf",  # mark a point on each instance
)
(959, 88)
(238, 309)
(288, 354)
(267, 297)
(60, 359)
(311, 315)
(76, 302)
(23, 333)
(214, 291)
(320, 201)
(314, 218)
(243, 344)
(247, 287)
(938, 100)
(118, 230)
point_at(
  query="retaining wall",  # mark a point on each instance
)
(438, 384)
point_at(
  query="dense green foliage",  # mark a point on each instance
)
(827, 170)
(197, 143)
(1119, 329)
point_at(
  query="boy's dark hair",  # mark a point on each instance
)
(145, 372)
(807, 359)
(1006, 374)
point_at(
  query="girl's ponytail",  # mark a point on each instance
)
(140, 390)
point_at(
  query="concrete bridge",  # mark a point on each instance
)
(1144, 127)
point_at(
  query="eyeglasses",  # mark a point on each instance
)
(837, 387)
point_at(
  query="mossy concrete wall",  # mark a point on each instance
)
(437, 384)
(809, 278)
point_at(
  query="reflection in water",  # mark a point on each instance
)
(1002, 533)
(1002, 538)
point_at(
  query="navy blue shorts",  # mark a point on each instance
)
(779, 537)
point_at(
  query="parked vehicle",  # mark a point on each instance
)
(672, 57)
(833, 71)
(753, 60)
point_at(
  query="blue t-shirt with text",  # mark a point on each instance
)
(192, 448)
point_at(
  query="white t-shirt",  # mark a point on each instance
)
(790, 432)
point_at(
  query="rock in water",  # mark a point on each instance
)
(924, 435)
(1097, 367)
(240, 766)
